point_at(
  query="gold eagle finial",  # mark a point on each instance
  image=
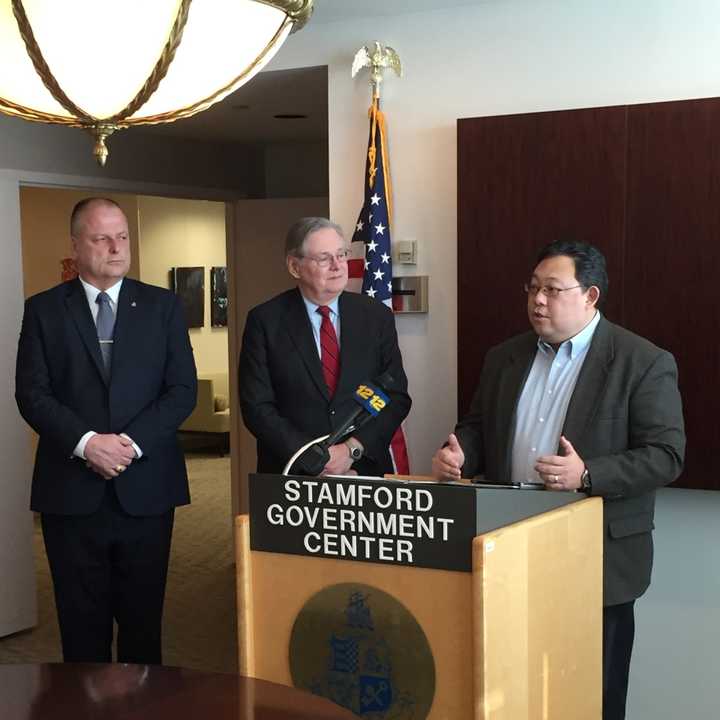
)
(377, 59)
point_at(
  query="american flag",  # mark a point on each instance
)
(371, 259)
(372, 256)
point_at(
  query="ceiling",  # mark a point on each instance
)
(344, 10)
(247, 115)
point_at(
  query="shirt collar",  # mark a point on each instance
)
(312, 307)
(91, 292)
(578, 343)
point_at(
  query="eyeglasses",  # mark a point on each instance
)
(547, 290)
(325, 259)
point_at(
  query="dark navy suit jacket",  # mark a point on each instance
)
(283, 395)
(62, 392)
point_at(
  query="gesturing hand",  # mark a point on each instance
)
(561, 472)
(448, 461)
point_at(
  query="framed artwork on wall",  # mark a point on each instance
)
(218, 297)
(189, 284)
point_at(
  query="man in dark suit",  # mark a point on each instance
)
(105, 375)
(305, 352)
(580, 404)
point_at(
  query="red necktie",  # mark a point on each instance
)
(329, 351)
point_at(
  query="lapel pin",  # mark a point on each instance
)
(133, 304)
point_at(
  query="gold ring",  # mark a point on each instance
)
(556, 478)
(119, 468)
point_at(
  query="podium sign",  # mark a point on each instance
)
(365, 519)
(428, 525)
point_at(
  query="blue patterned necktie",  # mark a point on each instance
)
(105, 323)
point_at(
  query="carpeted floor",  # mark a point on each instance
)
(199, 628)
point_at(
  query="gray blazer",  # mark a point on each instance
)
(624, 420)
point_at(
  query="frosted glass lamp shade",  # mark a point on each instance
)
(105, 65)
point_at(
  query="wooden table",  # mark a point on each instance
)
(143, 692)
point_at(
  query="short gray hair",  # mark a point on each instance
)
(78, 212)
(300, 229)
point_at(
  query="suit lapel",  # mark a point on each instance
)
(351, 343)
(126, 318)
(512, 380)
(590, 386)
(298, 326)
(77, 305)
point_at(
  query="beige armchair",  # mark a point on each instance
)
(211, 415)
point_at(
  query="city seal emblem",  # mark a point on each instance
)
(361, 648)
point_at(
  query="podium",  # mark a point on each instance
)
(406, 599)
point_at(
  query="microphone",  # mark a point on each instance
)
(371, 399)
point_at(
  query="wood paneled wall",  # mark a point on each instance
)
(640, 182)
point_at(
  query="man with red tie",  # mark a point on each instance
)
(305, 352)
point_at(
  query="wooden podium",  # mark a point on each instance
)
(505, 584)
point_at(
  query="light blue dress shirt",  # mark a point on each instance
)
(544, 401)
(316, 319)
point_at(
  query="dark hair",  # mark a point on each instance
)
(590, 267)
(80, 208)
(300, 229)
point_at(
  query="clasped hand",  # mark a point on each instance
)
(109, 454)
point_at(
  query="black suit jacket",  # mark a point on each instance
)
(283, 395)
(624, 420)
(62, 392)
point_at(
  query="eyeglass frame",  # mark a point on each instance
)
(325, 259)
(550, 292)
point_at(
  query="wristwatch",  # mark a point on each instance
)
(354, 448)
(585, 482)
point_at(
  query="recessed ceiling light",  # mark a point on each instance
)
(290, 116)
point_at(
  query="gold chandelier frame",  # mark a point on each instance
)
(297, 13)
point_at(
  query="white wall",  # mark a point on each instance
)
(515, 56)
(18, 605)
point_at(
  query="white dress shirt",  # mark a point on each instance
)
(91, 293)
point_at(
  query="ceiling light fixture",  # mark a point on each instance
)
(108, 65)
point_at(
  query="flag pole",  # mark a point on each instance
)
(378, 58)
(370, 268)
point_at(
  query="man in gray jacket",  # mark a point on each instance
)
(579, 403)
